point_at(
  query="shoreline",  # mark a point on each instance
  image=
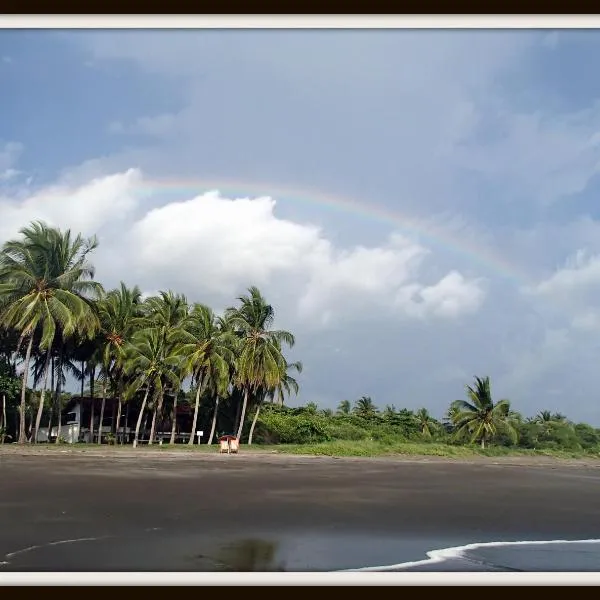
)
(259, 455)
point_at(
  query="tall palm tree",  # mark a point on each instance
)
(150, 369)
(480, 417)
(260, 360)
(167, 313)
(119, 313)
(208, 350)
(364, 407)
(46, 283)
(427, 424)
(284, 387)
(344, 407)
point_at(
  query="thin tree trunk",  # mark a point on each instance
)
(214, 422)
(102, 411)
(242, 416)
(82, 377)
(58, 393)
(22, 435)
(119, 436)
(196, 408)
(253, 424)
(4, 421)
(174, 420)
(483, 443)
(92, 420)
(238, 411)
(52, 400)
(140, 416)
(157, 407)
(50, 422)
(40, 410)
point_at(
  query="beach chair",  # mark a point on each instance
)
(223, 446)
(234, 445)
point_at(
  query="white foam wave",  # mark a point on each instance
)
(444, 554)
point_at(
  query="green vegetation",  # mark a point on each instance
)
(163, 368)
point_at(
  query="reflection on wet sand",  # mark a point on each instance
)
(248, 555)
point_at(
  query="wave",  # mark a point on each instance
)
(458, 552)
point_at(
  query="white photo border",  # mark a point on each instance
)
(298, 22)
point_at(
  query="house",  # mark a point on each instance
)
(80, 410)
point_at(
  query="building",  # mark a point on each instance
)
(80, 410)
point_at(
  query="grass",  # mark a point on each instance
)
(368, 448)
(341, 448)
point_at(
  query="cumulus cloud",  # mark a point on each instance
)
(214, 245)
(85, 208)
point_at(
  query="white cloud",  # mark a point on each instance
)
(85, 208)
(580, 272)
(213, 245)
(219, 245)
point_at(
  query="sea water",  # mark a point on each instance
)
(159, 550)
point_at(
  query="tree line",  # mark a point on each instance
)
(477, 420)
(56, 319)
(158, 354)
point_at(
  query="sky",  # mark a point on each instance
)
(420, 207)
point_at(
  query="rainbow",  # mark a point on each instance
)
(416, 229)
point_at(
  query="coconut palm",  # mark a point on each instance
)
(150, 368)
(119, 312)
(364, 407)
(427, 424)
(284, 387)
(260, 361)
(481, 418)
(207, 350)
(46, 284)
(344, 407)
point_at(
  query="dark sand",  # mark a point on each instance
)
(125, 510)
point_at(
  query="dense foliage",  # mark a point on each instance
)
(159, 355)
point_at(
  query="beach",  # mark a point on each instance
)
(107, 510)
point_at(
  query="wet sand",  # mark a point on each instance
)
(124, 510)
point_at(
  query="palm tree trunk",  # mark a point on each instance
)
(253, 424)
(174, 421)
(140, 416)
(52, 402)
(196, 408)
(40, 410)
(157, 407)
(242, 416)
(214, 422)
(58, 392)
(102, 411)
(82, 377)
(120, 438)
(4, 422)
(483, 443)
(22, 435)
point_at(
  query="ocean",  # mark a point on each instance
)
(159, 550)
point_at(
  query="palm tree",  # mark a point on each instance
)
(480, 417)
(427, 424)
(284, 387)
(344, 407)
(46, 284)
(167, 313)
(260, 361)
(119, 313)
(208, 351)
(149, 368)
(364, 407)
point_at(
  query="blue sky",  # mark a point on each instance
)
(488, 139)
